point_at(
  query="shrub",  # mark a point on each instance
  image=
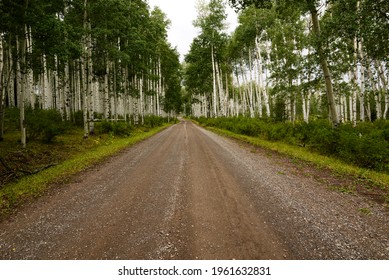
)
(116, 128)
(153, 121)
(44, 124)
(366, 145)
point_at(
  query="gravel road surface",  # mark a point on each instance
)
(188, 193)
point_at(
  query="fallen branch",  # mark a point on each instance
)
(37, 170)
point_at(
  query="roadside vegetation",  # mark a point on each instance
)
(366, 145)
(56, 149)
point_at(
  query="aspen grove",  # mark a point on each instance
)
(108, 59)
(292, 60)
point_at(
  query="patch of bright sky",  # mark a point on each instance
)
(182, 13)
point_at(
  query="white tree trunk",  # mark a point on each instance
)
(305, 113)
(67, 91)
(324, 65)
(11, 82)
(260, 78)
(2, 90)
(222, 97)
(84, 67)
(106, 90)
(115, 93)
(126, 95)
(79, 87)
(363, 81)
(30, 73)
(159, 91)
(135, 102)
(214, 96)
(142, 107)
(21, 82)
(90, 83)
(84, 92)
(250, 85)
(46, 93)
(384, 82)
(57, 88)
(227, 98)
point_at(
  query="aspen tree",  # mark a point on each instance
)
(2, 89)
(84, 69)
(106, 89)
(90, 79)
(214, 92)
(384, 81)
(21, 81)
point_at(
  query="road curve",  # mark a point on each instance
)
(187, 193)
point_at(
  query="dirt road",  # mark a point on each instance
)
(187, 193)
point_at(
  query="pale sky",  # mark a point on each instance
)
(182, 13)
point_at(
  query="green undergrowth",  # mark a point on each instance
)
(91, 151)
(336, 165)
(365, 146)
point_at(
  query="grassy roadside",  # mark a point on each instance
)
(14, 194)
(380, 180)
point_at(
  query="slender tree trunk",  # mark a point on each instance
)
(67, 97)
(376, 91)
(84, 61)
(12, 77)
(384, 82)
(136, 102)
(260, 77)
(229, 113)
(363, 81)
(21, 62)
(115, 93)
(343, 109)
(351, 104)
(106, 89)
(368, 109)
(126, 94)
(220, 89)
(250, 85)
(354, 96)
(67, 80)
(142, 107)
(214, 96)
(90, 81)
(79, 88)
(305, 114)
(159, 91)
(84, 67)
(325, 68)
(57, 89)
(44, 82)
(30, 73)
(2, 90)
(84, 91)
